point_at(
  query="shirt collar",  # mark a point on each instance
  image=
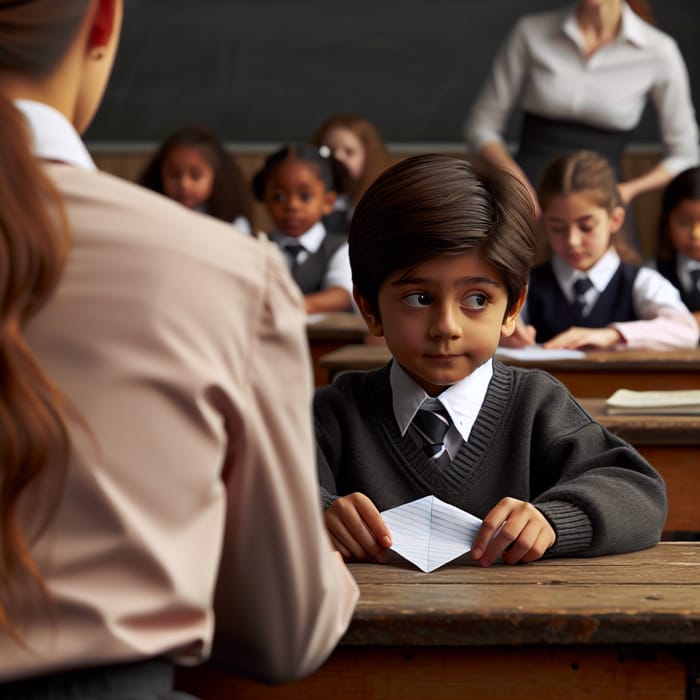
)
(600, 274)
(311, 240)
(462, 400)
(632, 27)
(53, 136)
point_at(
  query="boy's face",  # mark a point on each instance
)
(442, 319)
(296, 197)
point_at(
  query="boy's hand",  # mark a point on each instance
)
(514, 529)
(357, 529)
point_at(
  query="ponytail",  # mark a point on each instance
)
(34, 243)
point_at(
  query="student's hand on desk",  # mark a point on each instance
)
(577, 337)
(357, 529)
(515, 530)
(522, 336)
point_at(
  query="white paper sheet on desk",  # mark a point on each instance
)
(538, 353)
(430, 532)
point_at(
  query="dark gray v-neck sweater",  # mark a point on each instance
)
(531, 441)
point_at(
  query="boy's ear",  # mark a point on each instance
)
(508, 325)
(371, 319)
(617, 218)
(328, 202)
(103, 22)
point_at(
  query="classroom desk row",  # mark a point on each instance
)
(623, 626)
(598, 373)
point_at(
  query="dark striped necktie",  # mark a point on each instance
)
(293, 250)
(581, 286)
(433, 426)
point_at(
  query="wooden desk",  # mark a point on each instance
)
(622, 627)
(600, 373)
(330, 332)
(672, 445)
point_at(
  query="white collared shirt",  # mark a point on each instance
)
(665, 322)
(462, 401)
(53, 136)
(542, 65)
(684, 265)
(338, 273)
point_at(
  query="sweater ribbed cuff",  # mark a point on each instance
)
(571, 525)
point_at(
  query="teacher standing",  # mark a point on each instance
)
(582, 76)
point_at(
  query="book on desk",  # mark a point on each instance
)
(678, 402)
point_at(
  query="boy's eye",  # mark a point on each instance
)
(476, 300)
(418, 299)
(278, 197)
(306, 197)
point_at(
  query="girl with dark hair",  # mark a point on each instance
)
(678, 254)
(297, 185)
(192, 167)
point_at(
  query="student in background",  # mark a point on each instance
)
(192, 167)
(678, 253)
(592, 292)
(296, 185)
(440, 256)
(356, 143)
(156, 449)
(582, 75)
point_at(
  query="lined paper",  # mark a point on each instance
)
(429, 532)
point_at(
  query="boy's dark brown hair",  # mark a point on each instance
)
(433, 205)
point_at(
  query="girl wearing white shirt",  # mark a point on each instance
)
(678, 254)
(592, 293)
(583, 75)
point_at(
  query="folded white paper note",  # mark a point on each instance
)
(430, 532)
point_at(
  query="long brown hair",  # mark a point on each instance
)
(34, 244)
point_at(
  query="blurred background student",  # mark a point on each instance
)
(678, 253)
(192, 167)
(582, 76)
(593, 293)
(158, 497)
(296, 186)
(358, 145)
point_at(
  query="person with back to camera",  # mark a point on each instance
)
(592, 292)
(440, 254)
(296, 185)
(192, 167)
(156, 469)
(357, 144)
(582, 75)
(678, 252)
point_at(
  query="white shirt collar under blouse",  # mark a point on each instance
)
(53, 136)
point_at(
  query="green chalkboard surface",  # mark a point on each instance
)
(273, 70)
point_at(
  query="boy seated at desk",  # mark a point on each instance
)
(440, 254)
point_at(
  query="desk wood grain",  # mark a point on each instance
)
(328, 332)
(600, 373)
(625, 627)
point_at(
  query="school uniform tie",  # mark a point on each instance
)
(694, 293)
(432, 425)
(294, 250)
(581, 286)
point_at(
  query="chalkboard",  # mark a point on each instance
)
(272, 70)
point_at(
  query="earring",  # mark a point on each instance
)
(97, 54)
